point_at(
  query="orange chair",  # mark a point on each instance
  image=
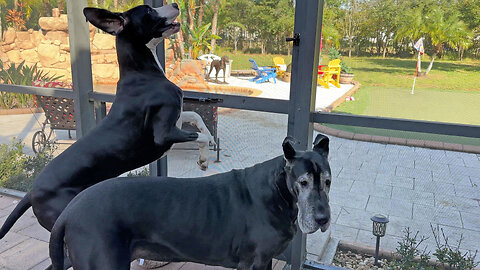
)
(331, 74)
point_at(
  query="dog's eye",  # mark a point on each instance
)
(328, 182)
(304, 183)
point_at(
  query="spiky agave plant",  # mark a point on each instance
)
(20, 75)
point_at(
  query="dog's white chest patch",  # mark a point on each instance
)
(152, 45)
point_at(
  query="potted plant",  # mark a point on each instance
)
(346, 75)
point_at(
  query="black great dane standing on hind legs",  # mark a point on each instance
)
(239, 219)
(141, 125)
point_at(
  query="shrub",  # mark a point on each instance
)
(411, 257)
(450, 257)
(17, 170)
(335, 54)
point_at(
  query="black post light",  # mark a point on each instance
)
(379, 229)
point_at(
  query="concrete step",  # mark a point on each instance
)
(329, 251)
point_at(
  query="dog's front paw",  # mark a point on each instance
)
(212, 141)
(203, 164)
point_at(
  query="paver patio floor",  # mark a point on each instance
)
(414, 187)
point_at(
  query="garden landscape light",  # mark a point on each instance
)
(379, 229)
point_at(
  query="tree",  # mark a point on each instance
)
(234, 32)
(216, 7)
(440, 27)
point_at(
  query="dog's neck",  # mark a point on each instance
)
(281, 198)
(137, 57)
(152, 45)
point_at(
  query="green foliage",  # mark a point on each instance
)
(17, 170)
(201, 39)
(20, 75)
(335, 54)
(143, 172)
(451, 256)
(411, 257)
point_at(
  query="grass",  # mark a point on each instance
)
(240, 61)
(450, 93)
(393, 72)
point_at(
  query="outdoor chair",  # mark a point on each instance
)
(59, 114)
(280, 65)
(331, 74)
(264, 74)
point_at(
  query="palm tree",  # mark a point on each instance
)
(438, 26)
(444, 30)
(216, 7)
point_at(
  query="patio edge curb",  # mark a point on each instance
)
(12, 192)
(397, 141)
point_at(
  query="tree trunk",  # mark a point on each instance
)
(115, 4)
(431, 63)
(214, 24)
(200, 12)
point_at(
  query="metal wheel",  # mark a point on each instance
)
(39, 142)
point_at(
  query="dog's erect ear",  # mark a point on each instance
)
(320, 144)
(288, 150)
(105, 20)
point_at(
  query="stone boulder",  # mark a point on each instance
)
(57, 35)
(188, 74)
(24, 40)
(104, 41)
(37, 37)
(9, 36)
(54, 23)
(101, 71)
(49, 54)
(14, 56)
(30, 55)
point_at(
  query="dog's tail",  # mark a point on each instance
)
(56, 244)
(19, 210)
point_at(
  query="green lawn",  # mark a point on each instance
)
(450, 93)
(240, 61)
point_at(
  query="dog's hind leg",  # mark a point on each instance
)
(207, 77)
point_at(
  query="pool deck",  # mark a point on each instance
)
(281, 90)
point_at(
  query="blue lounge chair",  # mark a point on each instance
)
(263, 73)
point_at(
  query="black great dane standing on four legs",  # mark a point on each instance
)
(139, 129)
(239, 219)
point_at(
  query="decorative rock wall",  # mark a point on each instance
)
(49, 48)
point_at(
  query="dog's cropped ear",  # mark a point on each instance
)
(320, 145)
(105, 20)
(288, 150)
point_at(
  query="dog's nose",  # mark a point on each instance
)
(322, 219)
(175, 5)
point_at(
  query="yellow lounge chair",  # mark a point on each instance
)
(325, 77)
(280, 65)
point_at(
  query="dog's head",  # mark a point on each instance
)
(308, 180)
(224, 60)
(141, 23)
